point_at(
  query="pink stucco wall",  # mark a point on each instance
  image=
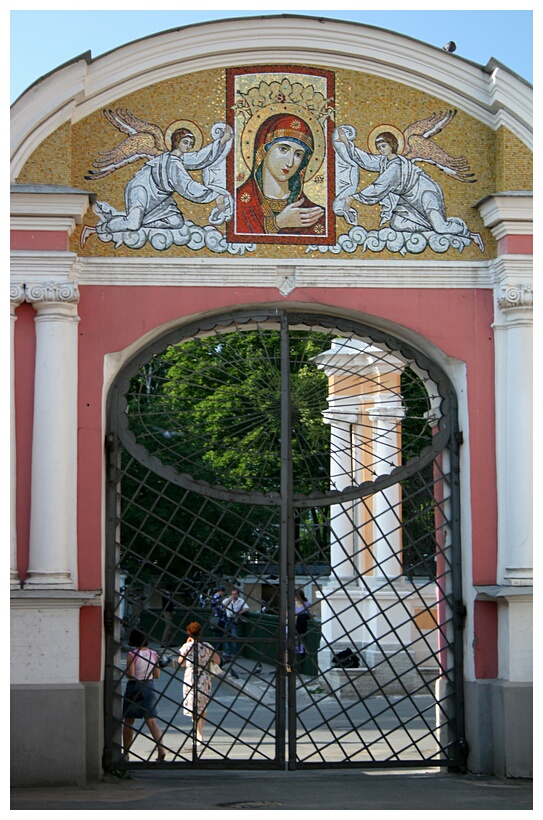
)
(38, 240)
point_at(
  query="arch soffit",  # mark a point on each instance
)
(495, 97)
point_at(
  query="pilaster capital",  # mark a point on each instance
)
(387, 412)
(513, 291)
(352, 356)
(515, 297)
(336, 417)
(47, 293)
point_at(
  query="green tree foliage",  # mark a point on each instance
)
(211, 407)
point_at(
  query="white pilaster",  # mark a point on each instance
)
(341, 476)
(514, 446)
(53, 538)
(17, 296)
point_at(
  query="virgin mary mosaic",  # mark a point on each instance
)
(280, 167)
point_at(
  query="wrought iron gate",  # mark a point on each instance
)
(292, 456)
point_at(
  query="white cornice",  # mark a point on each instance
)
(265, 273)
(268, 273)
(508, 213)
(69, 204)
(54, 599)
(43, 266)
(515, 268)
(75, 91)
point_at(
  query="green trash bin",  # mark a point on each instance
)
(307, 663)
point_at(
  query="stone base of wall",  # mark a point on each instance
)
(56, 734)
(499, 727)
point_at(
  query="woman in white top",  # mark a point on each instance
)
(140, 696)
(201, 658)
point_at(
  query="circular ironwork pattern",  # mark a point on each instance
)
(203, 408)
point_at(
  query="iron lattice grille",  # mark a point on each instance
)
(284, 451)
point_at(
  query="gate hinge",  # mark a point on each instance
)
(108, 619)
(459, 438)
(463, 751)
(109, 441)
(461, 610)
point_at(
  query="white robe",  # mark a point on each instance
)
(410, 200)
(149, 197)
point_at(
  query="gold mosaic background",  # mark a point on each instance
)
(499, 160)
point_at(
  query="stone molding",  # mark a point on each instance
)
(53, 224)
(349, 273)
(30, 269)
(508, 213)
(48, 203)
(54, 599)
(247, 272)
(508, 592)
(43, 266)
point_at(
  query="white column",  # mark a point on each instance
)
(53, 537)
(16, 298)
(514, 445)
(387, 539)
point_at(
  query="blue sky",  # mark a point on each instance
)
(40, 41)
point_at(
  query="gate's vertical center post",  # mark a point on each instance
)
(286, 553)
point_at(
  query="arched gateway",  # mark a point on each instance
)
(271, 328)
(312, 462)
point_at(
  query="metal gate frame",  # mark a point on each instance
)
(448, 437)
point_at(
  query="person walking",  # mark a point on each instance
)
(140, 697)
(302, 612)
(234, 607)
(197, 656)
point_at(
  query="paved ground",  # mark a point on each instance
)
(300, 791)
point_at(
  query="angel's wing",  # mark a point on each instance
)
(420, 148)
(144, 140)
